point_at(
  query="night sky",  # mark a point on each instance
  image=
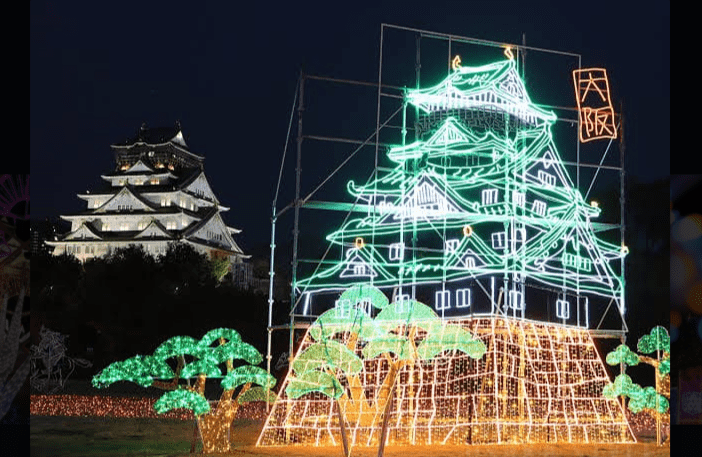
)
(228, 72)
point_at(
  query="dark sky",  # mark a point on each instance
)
(228, 73)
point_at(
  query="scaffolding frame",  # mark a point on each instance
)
(373, 140)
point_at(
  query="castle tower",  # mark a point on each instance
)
(157, 194)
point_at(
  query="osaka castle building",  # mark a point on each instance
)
(157, 194)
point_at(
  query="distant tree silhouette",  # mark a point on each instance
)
(57, 281)
(137, 301)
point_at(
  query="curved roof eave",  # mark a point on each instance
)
(167, 143)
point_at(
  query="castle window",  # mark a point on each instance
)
(546, 179)
(442, 300)
(498, 240)
(402, 303)
(469, 261)
(450, 246)
(397, 251)
(516, 299)
(489, 196)
(343, 309)
(463, 298)
(539, 207)
(562, 309)
(154, 181)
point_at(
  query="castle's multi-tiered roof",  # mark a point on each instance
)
(157, 193)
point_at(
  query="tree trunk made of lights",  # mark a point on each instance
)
(213, 430)
(342, 428)
(386, 418)
(214, 427)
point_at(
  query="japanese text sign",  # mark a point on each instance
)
(594, 104)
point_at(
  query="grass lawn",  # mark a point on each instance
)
(104, 436)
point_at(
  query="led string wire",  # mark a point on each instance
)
(598, 168)
(431, 225)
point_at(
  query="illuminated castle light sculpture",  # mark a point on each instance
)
(479, 220)
(157, 194)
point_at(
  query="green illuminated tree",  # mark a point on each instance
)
(333, 364)
(198, 360)
(649, 398)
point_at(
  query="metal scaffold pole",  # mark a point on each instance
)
(274, 218)
(622, 366)
(296, 229)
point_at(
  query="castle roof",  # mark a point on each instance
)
(156, 135)
(169, 138)
(496, 86)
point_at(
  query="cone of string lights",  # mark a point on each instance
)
(469, 381)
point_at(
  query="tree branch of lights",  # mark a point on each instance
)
(199, 360)
(655, 400)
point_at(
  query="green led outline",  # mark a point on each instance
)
(511, 163)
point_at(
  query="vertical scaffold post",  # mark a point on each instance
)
(622, 365)
(271, 274)
(296, 228)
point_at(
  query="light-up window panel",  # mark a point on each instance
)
(463, 298)
(442, 300)
(562, 309)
